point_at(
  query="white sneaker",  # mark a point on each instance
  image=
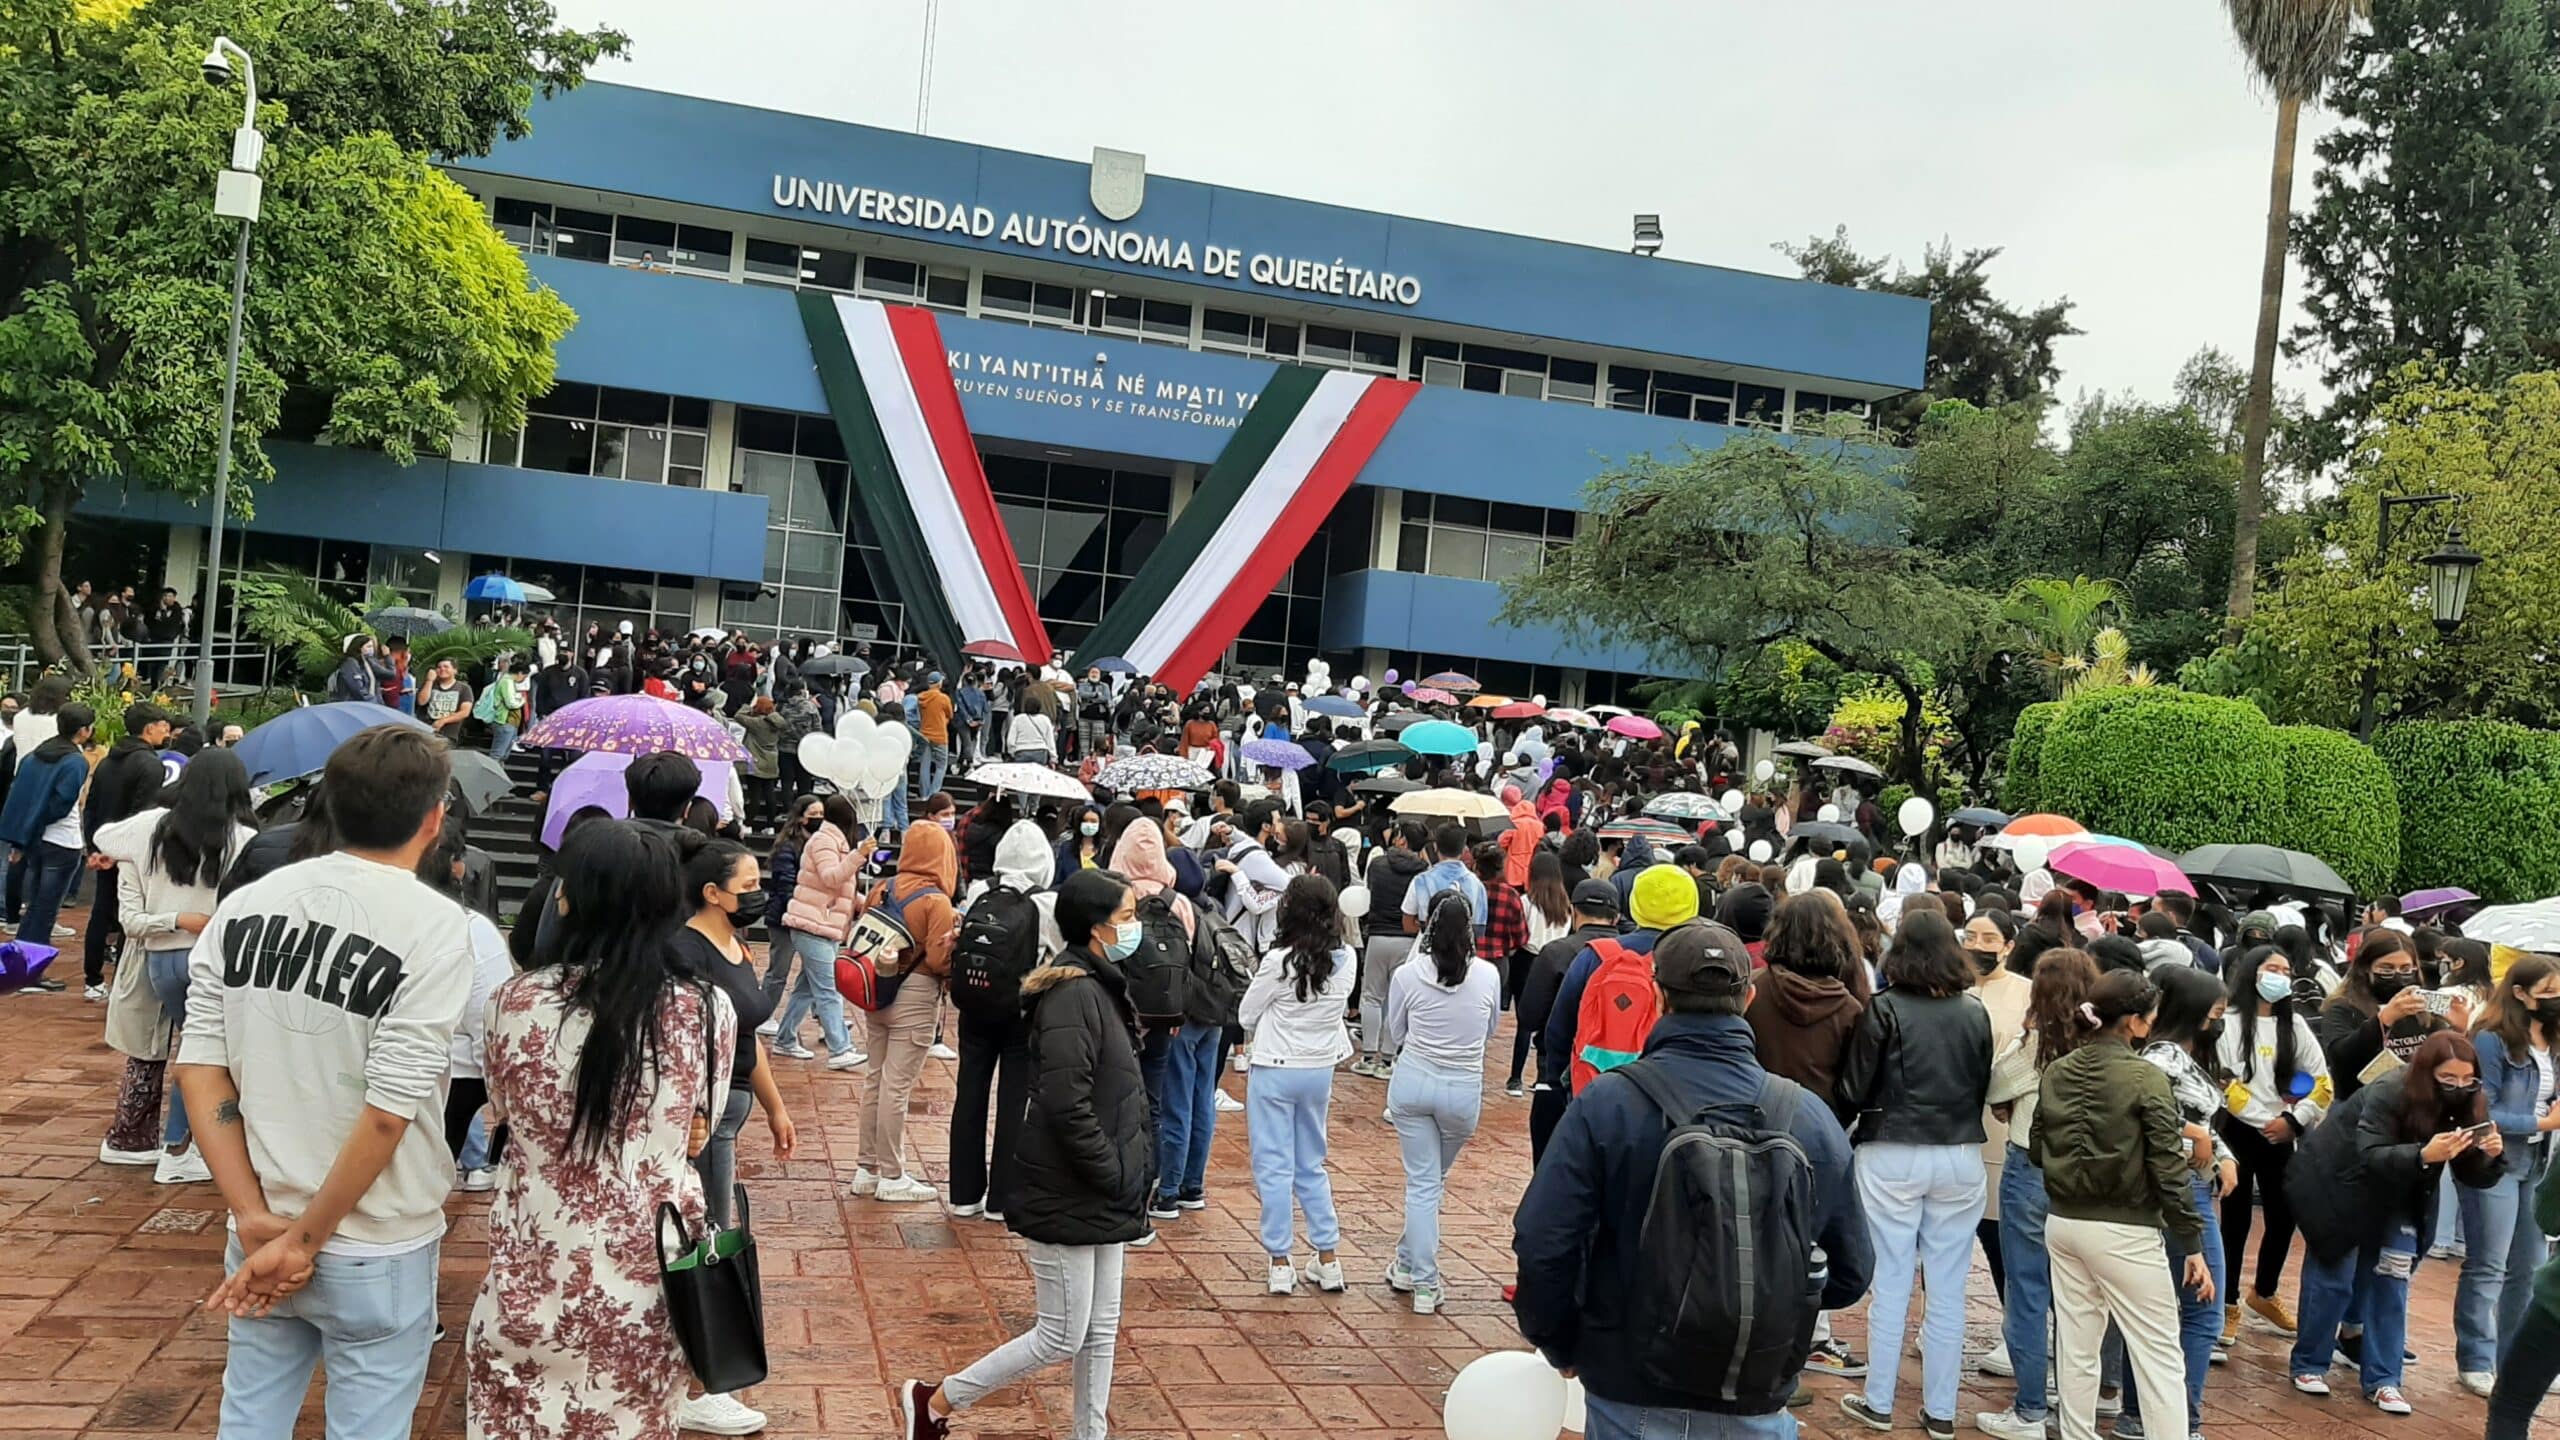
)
(479, 1180)
(963, 1212)
(1228, 1104)
(1284, 1278)
(864, 1183)
(848, 1060)
(2006, 1425)
(770, 1028)
(1399, 1278)
(993, 1217)
(95, 994)
(718, 1415)
(1995, 1361)
(1426, 1299)
(1243, 1061)
(114, 1156)
(790, 1050)
(1143, 1241)
(2479, 1382)
(905, 1190)
(185, 1168)
(941, 1051)
(2390, 1401)
(64, 932)
(1326, 1275)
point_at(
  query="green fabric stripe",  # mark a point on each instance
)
(1607, 1060)
(877, 488)
(1211, 500)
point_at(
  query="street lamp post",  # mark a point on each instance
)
(235, 197)
(2449, 574)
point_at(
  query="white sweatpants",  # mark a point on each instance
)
(2103, 1270)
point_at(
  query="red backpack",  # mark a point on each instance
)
(1619, 1006)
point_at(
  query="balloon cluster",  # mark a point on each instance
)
(862, 754)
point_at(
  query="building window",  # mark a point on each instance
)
(1160, 322)
(1079, 531)
(1030, 302)
(797, 463)
(621, 434)
(1468, 539)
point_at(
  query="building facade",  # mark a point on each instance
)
(1107, 332)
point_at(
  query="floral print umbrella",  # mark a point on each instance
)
(634, 725)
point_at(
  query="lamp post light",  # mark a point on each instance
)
(236, 193)
(2450, 571)
(1648, 234)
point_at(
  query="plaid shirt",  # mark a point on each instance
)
(1506, 925)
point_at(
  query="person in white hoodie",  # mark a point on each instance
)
(993, 1035)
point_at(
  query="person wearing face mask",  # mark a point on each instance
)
(2381, 1006)
(2278, 1088)
(2506, 1245)
(726, 889)
(2363, 1186)
(1084, 1169)
(2004, 993)
(1081, 847)
(2185, 1032)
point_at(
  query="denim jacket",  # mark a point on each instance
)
(2513, 1084)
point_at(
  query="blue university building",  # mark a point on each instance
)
(1107, 333)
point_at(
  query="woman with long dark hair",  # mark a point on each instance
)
(2186, 1031)
(781, 881)
(169, 863)
(1442, 1009)
(2363, 1186)
(2274, 1060)
(1081, 847)
(825, 897)
(2516, 1041)
(1294, 1009)
(2382, 1005)
(603, 1061)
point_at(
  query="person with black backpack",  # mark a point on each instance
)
(1008, 929)
(1631, 1247)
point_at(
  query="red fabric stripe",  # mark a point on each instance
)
(1361, 433)
(929, 371)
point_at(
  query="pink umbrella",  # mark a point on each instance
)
(634, 725)
(1429, 696)
(595, 778)
(2118, 867)
(1634, 727)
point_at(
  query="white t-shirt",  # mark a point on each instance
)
(329, 986)
(2542, 1062)
(491, 967)
(1448, 1027)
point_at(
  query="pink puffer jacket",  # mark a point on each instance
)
(829, 894)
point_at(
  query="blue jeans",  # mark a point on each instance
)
(718, 1162)
(815, 990)
(2199, 1321)
(2331, 1296)
(1285, 1108)
(2506, 1247)
(1613, 1420)
(370, 1320)
(50, 871)
(167, 972)
(1436, 1108)
(1189, 1118)
(2026, 1319)
(930, 769)
(502, 742)
(893, 814)
(1922, 1203)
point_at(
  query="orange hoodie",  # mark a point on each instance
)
(927, 860)
(1520, 842)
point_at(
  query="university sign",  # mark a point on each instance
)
(1083, 238)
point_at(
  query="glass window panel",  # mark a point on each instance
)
(764, 430)
(691, 412)
(758, 472)
(685, 447)
(1270, 622)
(1584, 373)
(567, 446)
(612, 441)
(1023, 524)
(1138, 490)
(1168, 319)
(1134, 536)
(1231, 329)
(1054, 304)
(1509, 555)
(1522, 519)
(638, 240)
(1122, 312)
(633, 407)
(811, 560)
(343, 561)
(1505, 357)
(892, 277)
(1458, 553)
(1459, 510)
(1279, 339)
(645, 454)
(1306, 575)
(1328, 342)
(629, 590)
(1004, 294)
(1760, 404)
(807, 610)
(1627, 387)
(582, 235)
(1016, 475)
(774, 540)
(408, 571)
(1560, 524)
(1112, 588)
(1306, 617)
(858, 582)
(1413, 549)
(1483, 379)
(818, 436)
(834, 485)
(702, 247)
(688, 477)
(1443, 372)
(1070, 596)
(1417, 504)
(1714, 410)
(525, 223)
(826, 269)
(809, 507)
(1074, 540)
(503, 449)
(946, 290)
(675, 595)
(774, 260)
(1521, 385)
(1425, 348)
(1079, 484)
(568, 398)
(757, 614)
(1673, 403)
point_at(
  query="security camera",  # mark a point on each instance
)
(1101, 357)
(217, 66)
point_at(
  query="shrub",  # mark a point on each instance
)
(2339, 804)
(2477, 801)
(1676, 716)
(2026, 752)
(2163, 767)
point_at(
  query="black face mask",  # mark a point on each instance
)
(2386, 985)
(2457, 1098)
(750, 908)
(2547, 1010)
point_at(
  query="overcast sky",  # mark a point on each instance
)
(2118, 153)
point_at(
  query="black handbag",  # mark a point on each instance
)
(715, 1299)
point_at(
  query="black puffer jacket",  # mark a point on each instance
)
(1087, 1160)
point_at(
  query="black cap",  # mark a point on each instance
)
(1595, 897)
(1700, 957)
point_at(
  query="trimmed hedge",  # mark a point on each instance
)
(2018, 786)
(2163, 766)
(2339, 804)
(2479, 806)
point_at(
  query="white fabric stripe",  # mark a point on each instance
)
(956, 557)
(1249, 524)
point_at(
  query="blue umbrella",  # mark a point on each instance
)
(1438, 737)
(1335, 706)
(497, 588)
(298, 742)
(1112, 665)
(1278, 754)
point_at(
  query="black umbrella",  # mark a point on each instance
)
(1830, 831)
(1394, 721)
(1982, 815)
(407, 620)
(2263, 865)
(1386, 785)
(1367, 755)
(480, 780)
(828, 666)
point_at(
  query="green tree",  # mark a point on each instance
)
(2434, 232)
(377, 288)
(2063, 616)
(1710, 557)
(1981, 349)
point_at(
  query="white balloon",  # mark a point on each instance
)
(886, 760)
(1355, 900)
(1762, 771)
(818, 754)
(1735, 839)
(1828, 814)
(1731, 800)
(1508, 1395)
(1915, 815)
(2031, 853)
(856, 727)
(1575, 1412)
(1760, 852)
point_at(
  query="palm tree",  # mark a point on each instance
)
(2063, 615)
(2108, 666)
(2294, 46)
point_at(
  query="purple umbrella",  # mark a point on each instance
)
(2443, 897)
(1278, 754)
(634, 725)
(595, 778)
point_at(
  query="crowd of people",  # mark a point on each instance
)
(1849, 1072)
